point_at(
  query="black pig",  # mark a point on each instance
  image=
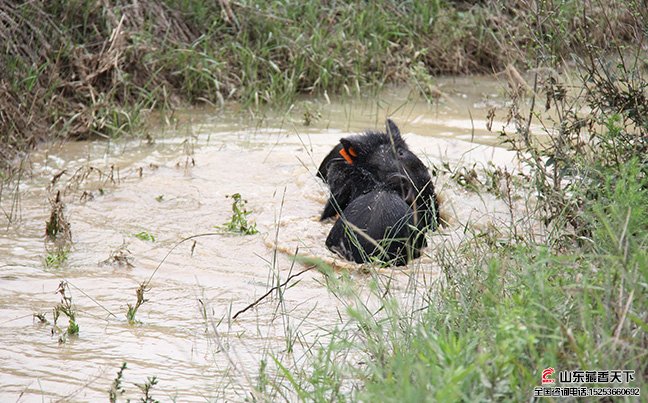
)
(378, 186)
(378, 224)
(359, 163)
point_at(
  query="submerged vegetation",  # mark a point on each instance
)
(145, 236)
(58, 235)
(66, 308)
(132, 309)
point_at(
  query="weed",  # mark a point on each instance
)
(121, 257)
(116, 388)
(262, 379)
(66, 308)
(145, 236)
(579, 150)
(239, 223)
(146, 389)
(467, 178)
(58, 235)
(132, 309)
(311, 114)
(57, 228)
(41, 318)
(56, 259)
(425, 83)
(10, 180)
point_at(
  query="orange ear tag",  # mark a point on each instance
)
(348, 156)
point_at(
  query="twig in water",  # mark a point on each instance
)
(261, 298)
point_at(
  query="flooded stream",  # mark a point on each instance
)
(176, 188)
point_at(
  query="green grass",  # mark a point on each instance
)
(78, 78)
(500, 316)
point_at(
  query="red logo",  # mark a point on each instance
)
(546, 374)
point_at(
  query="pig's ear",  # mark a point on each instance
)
(349, 151)
(392, 130)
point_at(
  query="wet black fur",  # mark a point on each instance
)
(386, 192)
(379, 225)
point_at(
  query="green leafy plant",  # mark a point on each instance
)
(239, 222)
(145, 236)
(116, 388)
(146, 389)
(56, 258)
(66, 308)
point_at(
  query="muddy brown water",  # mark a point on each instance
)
(176, 188)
